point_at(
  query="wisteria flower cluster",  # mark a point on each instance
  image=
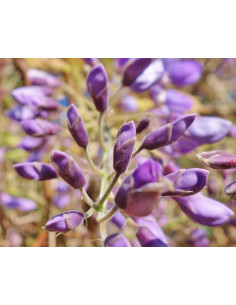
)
(115, 162)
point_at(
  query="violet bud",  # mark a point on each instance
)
(134, 68)
(148, 239)
(97, 85)
(152, 225)
(117, 240)
(128, 103)
(167, 134)
(91, 61)
(199, 238)
(39, 128)
(124, 145)
(140, 191)
(204, 210)
(175, 100)
(184, 73)
(218, 159)
(35, 171)
(22, 204)
(21, 113)
(35, 97)
(64, 222)
(41, 78)
(118, 219)
(142, 125)
(168, 62)
(148, 77)
(208, 130)
(68, 169)
(76, 127)
(230, 190)
(31, 144)
(187, 182)
(61, 201)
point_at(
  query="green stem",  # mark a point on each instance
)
(87, 199)
(91, 163)
(137, 151)
(108, 191)
(108, 215)
(100, 132)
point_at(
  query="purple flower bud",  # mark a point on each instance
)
(35, 171)
(31, 144)
(168, 62)
(128, 103)
(142, 125)
(35, 97)
(91, 61)
(198, 238)
(187, 182)
(68, 169)
(152, 225)
(97, 85)
(218, 159)
(22, 93)
(168, 134)
(148, 239)
(118, 219)
(124, 145)
(185, 73)
(148, 77)
(117, 240)
(22, 204)
(140, 191)
(134, 68)
(76, 127)
(21, 113)
(39, 128)
(208, 130)
(41, 78)
(230, 190)
(64, 222)
(61, 201)
(205, 210)
(175, 100)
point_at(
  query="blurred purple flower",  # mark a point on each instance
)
(41, 78)
(35, 171)
(204, 210)
(117, 240)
